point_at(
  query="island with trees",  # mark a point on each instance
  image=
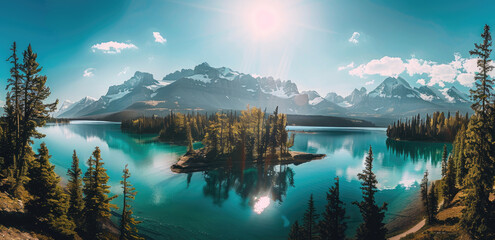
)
(252, 137)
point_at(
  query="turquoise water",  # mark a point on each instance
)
(256, 203)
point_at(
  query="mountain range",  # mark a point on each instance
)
(206, 88)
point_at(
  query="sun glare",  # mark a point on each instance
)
(261, 204)
(266, 20)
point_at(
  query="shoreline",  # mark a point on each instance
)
(197, 161)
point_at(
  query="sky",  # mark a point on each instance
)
(323, 45)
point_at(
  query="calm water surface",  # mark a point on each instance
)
(254, 203)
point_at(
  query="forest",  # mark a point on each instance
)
(81, 209)
(437, 127)
(253, 132)
(466, 185)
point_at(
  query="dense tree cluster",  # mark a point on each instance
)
(437, 127)
(72, 213)
(333, 224)
(257, 134)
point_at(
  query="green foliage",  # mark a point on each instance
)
(459, 158)
(433, 128)
(478, 217)
(444, 160)
(128, 224)
(96, 201)
(433, 204)
(333, 225)
(448, 188)
(49, 204)
(373, 215)
(296, 232)
(74, 188)
(309, 221)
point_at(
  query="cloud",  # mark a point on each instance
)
(386, 66)
(88, 72)
(460, 70)
(124, 71)
(355, 38)
(421, 82)
(350, 65)
(370, 82)
(112, 47)
(159, 38)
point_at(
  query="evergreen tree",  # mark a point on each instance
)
(449, 189)
(128, 224)
(444, 160)
(190, 148)
(96, 201)
(295, 232)
(74, 187)
(373, 215)
(333, 225)
(310, 218)
(430, 217)
(49, 204)
(433, 204)
(478, 217)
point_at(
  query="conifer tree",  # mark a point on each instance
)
(426, 200)
(128, 224)
(478, 217)
(74, 187)
(444, 160)
(96, 201)
(190, 148)
(433, 204)
(373, 215)
(310, 218)
(449, 189)
(295, 232)
(49, 204)
(333, 225)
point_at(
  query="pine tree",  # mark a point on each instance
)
(190, 148)
(74, 187)
(478, 218)
(373, 215)
(426, 200)
(333, 225)
(310, 218)
(433, 204)
(444, 161)
(296, 232)
(96, 201)
(49, 204)
(449, 189)
(128, 224)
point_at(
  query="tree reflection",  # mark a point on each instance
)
(250, 184)
(417, 150)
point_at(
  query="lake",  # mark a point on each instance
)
(254, 203)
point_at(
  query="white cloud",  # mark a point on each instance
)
(112, 47)
(421, 82)
(124, 71)
(386, 66)
(418, 66)
(466, 79)
(350, 65)
(88, 72)
(370, 82)
(461, 70)
(442, 73)
(355, 38)
(159, 38)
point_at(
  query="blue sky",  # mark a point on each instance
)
(306, 41)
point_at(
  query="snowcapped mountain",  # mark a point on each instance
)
(63, 108)
(74, 108)
(211, 89)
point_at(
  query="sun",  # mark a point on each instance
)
(266, 20)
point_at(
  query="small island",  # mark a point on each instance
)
(229, 139)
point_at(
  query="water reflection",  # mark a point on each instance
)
(250, 184)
